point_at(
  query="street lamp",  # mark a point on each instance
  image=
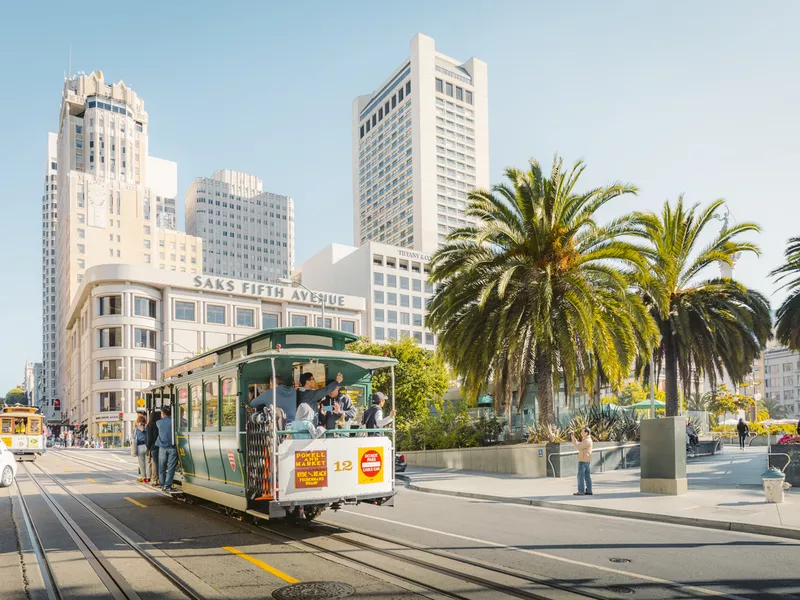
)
(185, 349)
(294, 283)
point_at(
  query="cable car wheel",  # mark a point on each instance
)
(312, 511)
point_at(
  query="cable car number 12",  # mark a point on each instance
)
(345, 465)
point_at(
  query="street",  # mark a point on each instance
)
(85, 504)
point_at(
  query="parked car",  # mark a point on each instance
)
(8, 466)
(399, 463)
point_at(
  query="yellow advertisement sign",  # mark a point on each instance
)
(370, 465)
(7, 441)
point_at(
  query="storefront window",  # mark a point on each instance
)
(109, 432)
(229, 392)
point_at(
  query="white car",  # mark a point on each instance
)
(8, 466)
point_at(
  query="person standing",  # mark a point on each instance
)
(744, 431)
(151, 433)
(373, 417)
(308, 392)
(332, 407)
(584, 448)
(167, 454)
(140, 439)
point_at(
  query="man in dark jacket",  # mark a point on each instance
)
(373, 417)
(333, 406)
(167, 454)
(308, 392)
(744, 431)
(151, 433)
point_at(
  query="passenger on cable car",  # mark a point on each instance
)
(336, 410)
(303, 424)
(308, 392)
(373, 417)
(20, 428)
(286, 398)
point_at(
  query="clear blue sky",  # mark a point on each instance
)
(692, 97)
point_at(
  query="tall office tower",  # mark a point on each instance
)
(246, 232)
(49, 274)
(162, 179)
(420, 145)
(106, 206)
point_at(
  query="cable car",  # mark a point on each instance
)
(247, 460)
(22, 431)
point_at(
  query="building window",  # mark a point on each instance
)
(299, 321)
(416, 285)
(110, 305)
(404, 300)
(144, 338)
(405, 318)
(439, 86)
(391, 334)
(459, 94)
(245, 317)
(418, 337)
(110, 337)
(328, 323)
(391, 316)
(81, 234)
(378, 278)
(378, 297)
(379, 335)
(110, 401)
(429, 339)
(110, 369)
(215, 314)
(379, 315)
(270, 321)
(347, 326)
(417, 320)
(391, 298)
(404, 283)
(787, 366)
(416, 302)
(145, 370)
(391, 280)
(469, 97)
(81, 249)
(184, 311)
(408, 88)
(449, 88)
(144, 307)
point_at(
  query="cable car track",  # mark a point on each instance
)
(120, 473)
(116, 584)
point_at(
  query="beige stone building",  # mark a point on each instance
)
(107, 210)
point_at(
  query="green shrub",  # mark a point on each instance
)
(606, 425)
(450, 428)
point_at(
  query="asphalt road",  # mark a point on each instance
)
(579, 551)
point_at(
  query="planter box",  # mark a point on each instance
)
(517, 459)
(562, 458)
(793, 470)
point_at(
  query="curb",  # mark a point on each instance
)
(739, 527)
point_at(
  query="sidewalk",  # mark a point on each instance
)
(724, 493)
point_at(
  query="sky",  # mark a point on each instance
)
(680, 97)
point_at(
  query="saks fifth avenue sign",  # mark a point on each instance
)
(267, 290)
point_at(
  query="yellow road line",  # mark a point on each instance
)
(90, 479)
(263, 565)
(132, 501)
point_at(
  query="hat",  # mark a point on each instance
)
(378, 397)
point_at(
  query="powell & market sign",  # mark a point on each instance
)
(266, 290)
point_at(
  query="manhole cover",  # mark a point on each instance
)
(622, 591)
(314, 590)
(620, 560)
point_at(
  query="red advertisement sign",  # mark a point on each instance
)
(311, 469)
(232, 459)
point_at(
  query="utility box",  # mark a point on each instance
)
(663, 456)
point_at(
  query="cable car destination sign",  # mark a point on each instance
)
(266, 290)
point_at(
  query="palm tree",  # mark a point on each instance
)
(787, 319)
(775, 409)
(712, 325)
(539, 288)
(698, 402)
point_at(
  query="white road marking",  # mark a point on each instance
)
(674, 584)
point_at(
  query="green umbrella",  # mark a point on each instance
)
(645, 404)
(486, 400)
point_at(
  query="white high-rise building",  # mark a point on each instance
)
(107, 212)
(247, 232)
(49, 275)
(162, 179)
(420, 145)
(393, 280)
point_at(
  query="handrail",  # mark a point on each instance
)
(602, 458)
(788, 459)
(342, 432)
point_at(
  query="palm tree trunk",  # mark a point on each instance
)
(671, 375)
(544, 381)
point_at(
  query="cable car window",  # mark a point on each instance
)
(183, 407)
(196, 407)
(34, 426)
(20, 427)
(229, 392)
(6, 426)
(212, 405)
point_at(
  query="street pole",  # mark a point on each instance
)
(652, 388)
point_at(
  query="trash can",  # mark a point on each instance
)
(773, 485)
